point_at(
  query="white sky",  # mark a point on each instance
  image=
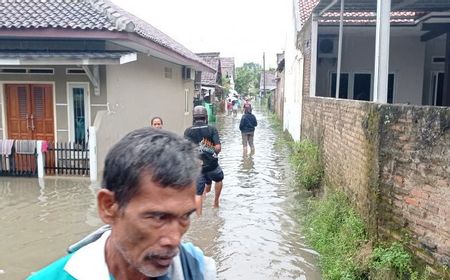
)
(242, 29)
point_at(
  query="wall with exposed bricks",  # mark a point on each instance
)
(393, 161)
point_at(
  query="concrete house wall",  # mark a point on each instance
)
(407, 58)
(60, 82)
(293, 83)
(138, 91)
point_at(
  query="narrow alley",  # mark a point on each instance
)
(255, 233)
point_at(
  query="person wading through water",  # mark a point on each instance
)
(207, 137)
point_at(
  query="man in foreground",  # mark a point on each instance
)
(147, 198)
(207, 137)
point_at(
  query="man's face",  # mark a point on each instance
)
(157, 123)
(147, 232)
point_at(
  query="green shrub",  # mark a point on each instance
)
(337, 233)
(307, 165)
(394, 258)
(394, 262)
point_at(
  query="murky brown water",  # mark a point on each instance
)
(254, 234)
(40, 219)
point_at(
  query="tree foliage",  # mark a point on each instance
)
(247, 78)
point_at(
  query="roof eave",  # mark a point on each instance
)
(58, 33)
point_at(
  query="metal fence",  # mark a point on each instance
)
(67, 159)
(20, 165)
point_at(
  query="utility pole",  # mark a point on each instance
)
(264, 74)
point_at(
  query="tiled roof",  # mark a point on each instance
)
(305, 8)
(359, 12)
(85, 15)
(227, 65)
(213, 60)
(270, 81)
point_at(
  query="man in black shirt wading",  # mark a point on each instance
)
(207, 137)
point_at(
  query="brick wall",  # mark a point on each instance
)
(341, 128)
(393, 161)
(414, 165)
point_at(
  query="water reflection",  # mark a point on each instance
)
(40, 219)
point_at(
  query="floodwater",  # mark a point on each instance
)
(253, 235)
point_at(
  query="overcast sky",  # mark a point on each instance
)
(242, 29)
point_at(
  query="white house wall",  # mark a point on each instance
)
(407, 54)
(293, 83)
(137, 92)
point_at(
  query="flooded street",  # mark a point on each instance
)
(254, 234)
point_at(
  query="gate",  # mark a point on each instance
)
(67, 159)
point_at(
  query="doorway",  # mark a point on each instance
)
(29, 111)
(437, 83)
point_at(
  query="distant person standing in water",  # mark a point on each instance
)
(156, 122)
(247, 128)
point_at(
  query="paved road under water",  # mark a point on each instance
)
(254, 235)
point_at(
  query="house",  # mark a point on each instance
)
(216, 85)
(211, 83)
(278, 100)
(69, 65)
(228, 70)
(375, 95)
(267, 83)
(267, 86)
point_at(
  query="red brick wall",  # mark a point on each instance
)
(415, 177)
(349, 152)
(393, 161)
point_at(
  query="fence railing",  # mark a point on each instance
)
(67, 158)
(18, 165)
(37, 158)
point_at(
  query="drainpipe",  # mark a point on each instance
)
(339, 58)
(313, 58)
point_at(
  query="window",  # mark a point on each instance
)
(438, 59)
(390, 97)
(13, 71)
(40, 71)
(35, 71)
(438, 88)
(78, 111)
(361, 86)
(167, 72)
(343, 85)
(75, 71)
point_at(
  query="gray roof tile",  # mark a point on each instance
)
(85, 15)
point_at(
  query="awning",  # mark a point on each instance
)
(66, 57)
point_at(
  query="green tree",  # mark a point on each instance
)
(247, 78)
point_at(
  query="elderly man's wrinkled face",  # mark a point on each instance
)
(146, 233)
(157, 123)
